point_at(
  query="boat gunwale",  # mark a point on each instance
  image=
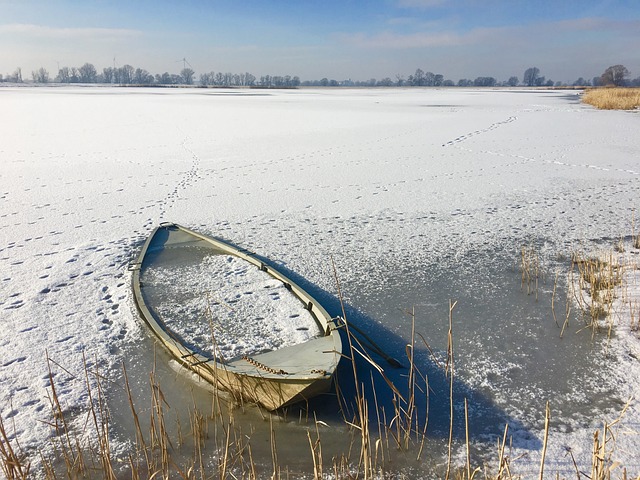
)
(201, 362)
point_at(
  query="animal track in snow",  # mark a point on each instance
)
(467, 136)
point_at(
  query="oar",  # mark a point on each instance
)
(390, 360)
(375, 347)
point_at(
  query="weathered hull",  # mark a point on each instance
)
(273, 379)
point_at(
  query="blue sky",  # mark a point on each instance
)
(354, 39)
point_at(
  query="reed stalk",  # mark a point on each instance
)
(101, 422)
(141, 445)
(410, 409)
(274, 451)
(71, 456)
(547, 417)
(14, 464)
(316, 453)
(198, 426)
(503, 461)
(467, 442)
(553, 298)
(634, 317)
(361, 421)
(599, 277)
(450, 360)
(530, 268)
(635, 236)
(160, 440)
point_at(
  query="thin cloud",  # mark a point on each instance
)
(598, 24)
(42, 31)
(452, 38)
(420, 3)
(402, 21)
(393, 40)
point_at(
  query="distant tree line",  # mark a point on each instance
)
(616, 75)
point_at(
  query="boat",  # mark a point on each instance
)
(272, 379)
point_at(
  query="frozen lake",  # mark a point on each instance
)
(418, 196)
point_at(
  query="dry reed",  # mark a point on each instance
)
(156, 454)
(14, 463)
(530, 269)
(613, 98)
(599, 277)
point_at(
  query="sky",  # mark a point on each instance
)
(312, 39)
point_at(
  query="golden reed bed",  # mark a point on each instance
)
(613, 98)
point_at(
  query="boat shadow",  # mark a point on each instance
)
(378, 376)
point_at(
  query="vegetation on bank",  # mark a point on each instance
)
(615, 75)
(613, 98)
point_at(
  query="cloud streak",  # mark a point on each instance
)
(420, 3)
(392, 40)
(450, 38)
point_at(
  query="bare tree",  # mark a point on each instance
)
(64, 75)
(75, 75)
(16, 76)
(417, 79)
(107, 74)
(530, 76)
(429, 79)
(614, 75)
(187, 75)
(124, 75)
(207, 78)
(142, 77)
(484, 82)
(88, 73)
(513, 81)
(164, 79)
(40, 76)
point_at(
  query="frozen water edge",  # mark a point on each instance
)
(372, 177)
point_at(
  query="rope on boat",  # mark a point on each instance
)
(264, 367)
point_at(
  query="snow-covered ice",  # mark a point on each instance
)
(224, 307)
(378, 179)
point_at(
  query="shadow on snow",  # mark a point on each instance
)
(432, 390)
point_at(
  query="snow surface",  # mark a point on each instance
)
(225, 307)
(365, 176)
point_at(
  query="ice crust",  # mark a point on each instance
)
(373, 178)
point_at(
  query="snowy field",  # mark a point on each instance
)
(386, 182)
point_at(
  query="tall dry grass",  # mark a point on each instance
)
(613, 98)
(157, 455)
